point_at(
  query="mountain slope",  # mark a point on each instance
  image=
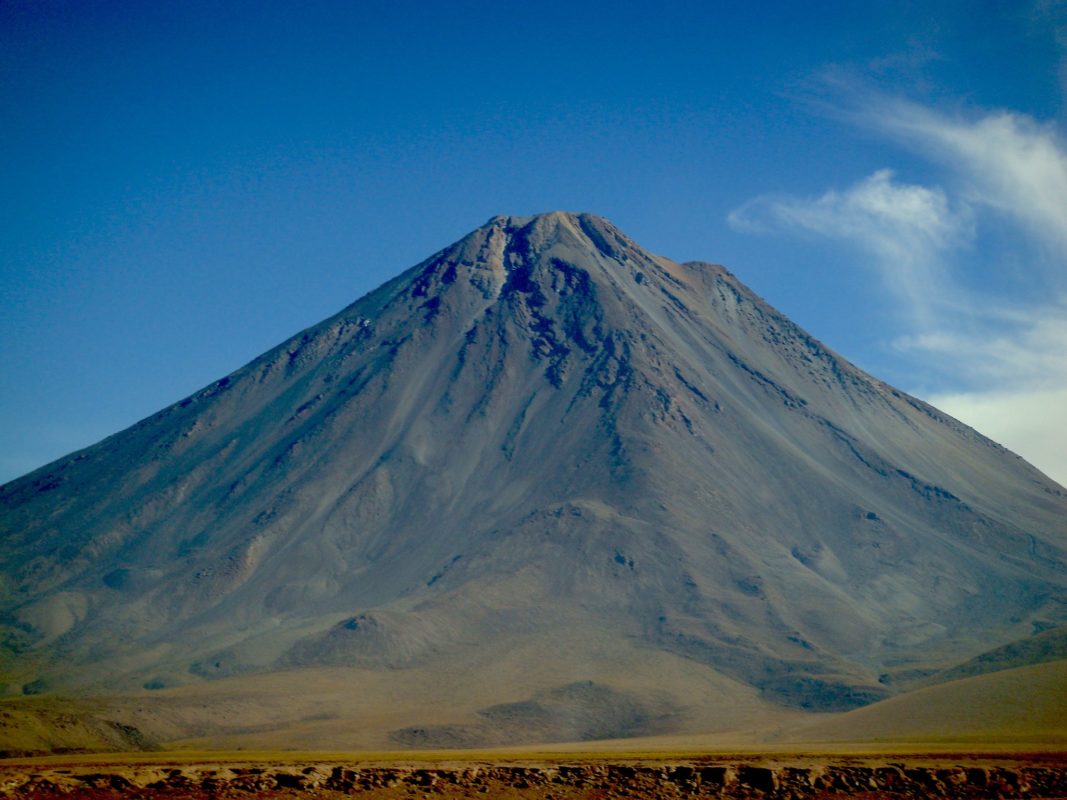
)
(541, 433)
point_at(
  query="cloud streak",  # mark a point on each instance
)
(1004, 160)
(1029, 354)
(1005, 355)
(907, 228)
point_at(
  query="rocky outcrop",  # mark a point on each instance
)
(696, 779)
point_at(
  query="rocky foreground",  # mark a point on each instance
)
(889, 777)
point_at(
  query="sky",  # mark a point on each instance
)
(185, 185)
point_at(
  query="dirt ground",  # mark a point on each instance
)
(881, 777)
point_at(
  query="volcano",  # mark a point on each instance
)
(542, 486)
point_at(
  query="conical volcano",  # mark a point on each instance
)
(542, 486)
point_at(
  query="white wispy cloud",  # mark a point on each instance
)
(1029, 351)
(1004, 160)
(907, 228)
(1007, 358)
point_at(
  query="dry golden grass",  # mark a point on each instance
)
(1022, 708)
(1008, 712)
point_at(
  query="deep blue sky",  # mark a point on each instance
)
(187, 184)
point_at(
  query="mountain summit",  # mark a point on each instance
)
(543, 485)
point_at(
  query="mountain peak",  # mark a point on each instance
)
(546, 219)
(511, 251)
(579, 230)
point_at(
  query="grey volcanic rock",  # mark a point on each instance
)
(542, 428)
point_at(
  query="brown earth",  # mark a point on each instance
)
(950, 775)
